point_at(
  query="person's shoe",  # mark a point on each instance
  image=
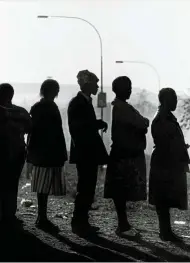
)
(127, 231)
(170, 237)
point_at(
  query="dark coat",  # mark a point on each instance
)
(169, 163)
(15, 122)
(86, 142)
(46, 143)
(126, 171)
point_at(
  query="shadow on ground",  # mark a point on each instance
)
(18, 244)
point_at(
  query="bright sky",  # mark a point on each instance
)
(154, 31)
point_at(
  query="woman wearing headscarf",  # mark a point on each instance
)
(126, 171)
(87, 149)
(169, 164)
(47, 150)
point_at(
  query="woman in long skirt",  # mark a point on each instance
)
(169, 164)
(47, 149)
(126, 171)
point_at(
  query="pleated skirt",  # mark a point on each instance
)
(48, 180)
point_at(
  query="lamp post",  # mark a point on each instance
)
(145, 63)
(101, 51)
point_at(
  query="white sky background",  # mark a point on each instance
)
(155, 31)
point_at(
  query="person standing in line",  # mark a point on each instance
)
(46, 150)
(87, 149)
(15, 122)
(126, 171)
(169, 164)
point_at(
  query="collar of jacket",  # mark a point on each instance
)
(117, 101)
(167, 115)
(89, 99)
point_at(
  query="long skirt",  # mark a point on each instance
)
(48, 180)
(126, 177)
(168, 187)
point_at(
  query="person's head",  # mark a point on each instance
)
(122, 87)
(88, 82)
(6, 93)
(49, 89)
(168, 99)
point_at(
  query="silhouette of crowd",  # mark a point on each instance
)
(125, 180)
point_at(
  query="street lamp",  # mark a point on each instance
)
(145, 63)
(101, 51)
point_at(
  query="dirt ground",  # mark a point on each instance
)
(31, 244)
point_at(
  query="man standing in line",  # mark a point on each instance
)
(87, 149)
(15, 122)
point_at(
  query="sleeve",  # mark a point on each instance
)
(128, 115)
(169, 141)
(20, 118)
(80, 128)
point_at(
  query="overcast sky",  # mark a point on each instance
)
(154, 31)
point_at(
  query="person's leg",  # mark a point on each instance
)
(120, 206)
(16, 171)
(42, 207)
(166, 232)
(87, 178)
(164, 220)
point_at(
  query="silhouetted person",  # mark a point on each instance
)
(15, 122)
(126, 171)
(87, 149)
(169, 163)
(46, 150)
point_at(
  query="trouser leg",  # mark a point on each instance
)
(87, 179)
(9, 202)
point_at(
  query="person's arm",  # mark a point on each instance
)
(126, 114)
(81, 128)
(102, 125)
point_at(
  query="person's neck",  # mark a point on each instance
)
(49, 99)
(122, 99)
(6, 103)
(88, 94)
(164, 109)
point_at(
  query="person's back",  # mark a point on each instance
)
(47, 135)
(86, 143)
(128, 133)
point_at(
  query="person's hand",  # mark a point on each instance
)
(103, 125)
(187, 145)
(147, 122)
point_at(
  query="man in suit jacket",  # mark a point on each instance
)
(87, 148)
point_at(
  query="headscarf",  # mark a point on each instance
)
(85, 76)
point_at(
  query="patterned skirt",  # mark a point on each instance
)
(48, 180)
(126, 178)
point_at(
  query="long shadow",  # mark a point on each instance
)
(96, 252)
(161, 253)
(129, 250)
(19, 244)
(106, 250)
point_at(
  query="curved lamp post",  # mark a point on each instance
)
(145, 63)
(101, 51)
